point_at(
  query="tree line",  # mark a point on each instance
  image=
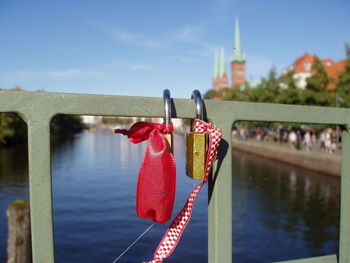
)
(283, 89)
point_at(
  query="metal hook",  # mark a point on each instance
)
(167, 106)
(198, 100)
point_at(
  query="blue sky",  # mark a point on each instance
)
(139, 48)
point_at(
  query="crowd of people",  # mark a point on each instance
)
(327, 140)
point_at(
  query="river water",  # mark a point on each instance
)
(280, 212)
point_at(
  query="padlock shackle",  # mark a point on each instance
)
(167, 107)
(198, 100)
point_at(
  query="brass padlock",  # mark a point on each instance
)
(196, 144)
(167, 118)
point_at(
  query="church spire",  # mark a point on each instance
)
(222, 62)
(237, 52)
(216, 66)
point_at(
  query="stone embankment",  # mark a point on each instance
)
(317, 161)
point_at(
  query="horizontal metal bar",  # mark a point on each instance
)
(29, 103)
(37, 109)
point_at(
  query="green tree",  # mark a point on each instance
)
(267, 91)
(5, 130)
(319, 80)
(12, 127)
(289, 93)
(63, 124)
(210, 94)
(343, 87)
(316, 92)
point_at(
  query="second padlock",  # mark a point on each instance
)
(167, 118)
(196, 144)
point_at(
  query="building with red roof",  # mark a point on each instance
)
(302, 67)
(333, 72)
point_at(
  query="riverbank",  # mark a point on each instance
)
(316, 161)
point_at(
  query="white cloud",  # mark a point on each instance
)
(139, 66)
(193, 35)
(126, 37)
(188, 34)
(56, 74)
(70, 73)
(186, 59)
(204, 52)
(182, 58)
(117, 33)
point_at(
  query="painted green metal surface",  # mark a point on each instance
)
(220, 201)
(40, 188)
(344, 253)
(38, 108)
(324, 259)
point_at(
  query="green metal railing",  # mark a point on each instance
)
(38, 108)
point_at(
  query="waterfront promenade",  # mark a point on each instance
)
(317, 161)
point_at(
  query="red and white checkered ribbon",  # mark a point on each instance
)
(174, 232)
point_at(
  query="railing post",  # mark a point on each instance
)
(344, 240)
(220, 202)
(19, 248)
(40, 188)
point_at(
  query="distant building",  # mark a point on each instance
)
(333, 72)
(91, 120)
(238, 67)
(302, 68)
(220, 80)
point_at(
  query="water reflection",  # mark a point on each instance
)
(14, 164)
(280, 212)
(13, 185)
(94, 185)
(298, 208)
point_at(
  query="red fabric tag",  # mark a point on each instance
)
(156, 183)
